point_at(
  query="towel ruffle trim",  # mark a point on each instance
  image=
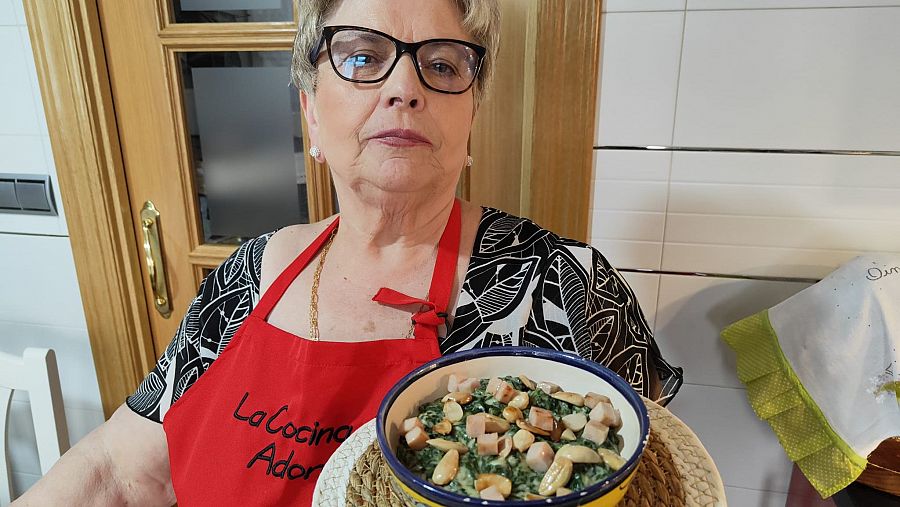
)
(778, 397)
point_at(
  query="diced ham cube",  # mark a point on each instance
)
(493, 385)
(617, 422)
(505, 392)
(540, 418)
(488, 444)
(491, 493)
(475, 424)
(453, 381)
(595, 431)
(591, 399)
(607, 415)
(417, 439)
(468, 385)
(539, 457)
(409, 424)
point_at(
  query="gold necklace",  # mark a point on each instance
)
(314, 295)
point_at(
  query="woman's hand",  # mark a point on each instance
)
(123, 462)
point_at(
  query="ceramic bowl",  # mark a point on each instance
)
(571, 372)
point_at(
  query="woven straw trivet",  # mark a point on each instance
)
(675, 471)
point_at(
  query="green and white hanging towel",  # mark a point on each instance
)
(822, 369)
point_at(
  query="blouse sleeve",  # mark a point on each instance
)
(619, 335)
(226, 297)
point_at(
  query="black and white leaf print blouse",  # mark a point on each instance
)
(525, 286)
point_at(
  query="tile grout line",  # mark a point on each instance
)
(52, 326)
(36, 97)
(727, 276)
(77, 406)
(32, 234)
(739, 9)
(776, 151)
(26, 473)
(662, 250)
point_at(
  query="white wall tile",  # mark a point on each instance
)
(639, 72)
(628, 206)
(73, 358)
(30, 224)
(778, 214)
(790, 78)
(81, 422)
(809, 233)
(629, 225)
(17, 113)
(22, 154)
(642, 5)
(646, 289)
(33, 81)
(875, 204)
(619, 195)
(638, 165)
(744, 448)
(742, 497)
(753, 261)
(630, 254)
(19, 9)
(39, 282)
(691, 313)
(839, 171)
(7, 13)
(784, 4)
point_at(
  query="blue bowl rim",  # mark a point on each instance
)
(438, 494)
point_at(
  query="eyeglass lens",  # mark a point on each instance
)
(366, 56)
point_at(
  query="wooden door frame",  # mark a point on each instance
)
(74, 81)
(556, 126)
(536, 129)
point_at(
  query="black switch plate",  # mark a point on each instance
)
(32, 195)
(8, 200)
(27, 194)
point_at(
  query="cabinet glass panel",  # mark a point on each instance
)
(232, 11)
(244, 123)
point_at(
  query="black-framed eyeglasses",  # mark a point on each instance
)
(364, 55)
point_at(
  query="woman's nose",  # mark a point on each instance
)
(403, 88)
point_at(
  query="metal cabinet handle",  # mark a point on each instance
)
(153, 256)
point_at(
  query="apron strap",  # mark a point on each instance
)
(286, 278)
(434, 313)
(435, 310)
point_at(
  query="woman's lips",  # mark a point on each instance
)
(401, 138)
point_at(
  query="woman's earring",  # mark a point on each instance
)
(315, 152)
(469, 161)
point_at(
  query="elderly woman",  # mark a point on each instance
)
(294, 340)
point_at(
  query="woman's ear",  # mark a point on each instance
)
(307, 103)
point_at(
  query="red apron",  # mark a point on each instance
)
(258, 426)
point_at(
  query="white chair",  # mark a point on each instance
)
(36, 373)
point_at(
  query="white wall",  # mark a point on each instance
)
(40, 304)
(773, 75)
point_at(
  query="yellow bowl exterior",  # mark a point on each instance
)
(610, 499)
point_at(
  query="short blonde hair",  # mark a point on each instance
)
(481, 19)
